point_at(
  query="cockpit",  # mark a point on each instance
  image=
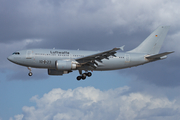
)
(16, 53)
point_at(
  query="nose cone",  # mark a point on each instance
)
(10, 58)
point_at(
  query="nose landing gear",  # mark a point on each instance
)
(83, 76)
(30, 73)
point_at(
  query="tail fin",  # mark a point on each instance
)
(152, 44)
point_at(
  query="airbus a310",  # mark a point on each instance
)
(60, 61)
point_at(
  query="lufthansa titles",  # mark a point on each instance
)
(58, 52)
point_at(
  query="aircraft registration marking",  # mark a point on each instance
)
(45, 61)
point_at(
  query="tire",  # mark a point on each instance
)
(30, 74)
(83, 77)
(89, 74)
(79, 78)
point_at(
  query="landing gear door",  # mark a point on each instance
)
(29, 54)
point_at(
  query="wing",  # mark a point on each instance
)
(90, 60)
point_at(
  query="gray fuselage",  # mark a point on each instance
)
(46, 58)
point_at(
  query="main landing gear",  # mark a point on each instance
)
(83, 76)
(30, 73)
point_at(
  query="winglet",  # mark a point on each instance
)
(122, 48)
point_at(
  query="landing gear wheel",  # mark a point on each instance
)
(79, 78)
(89, 74)
(83, 76)
(30, 74)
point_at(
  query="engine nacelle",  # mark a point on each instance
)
(56, 72)
(65, 65)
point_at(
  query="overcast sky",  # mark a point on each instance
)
(146, 92)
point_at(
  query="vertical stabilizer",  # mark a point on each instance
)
(152, 44)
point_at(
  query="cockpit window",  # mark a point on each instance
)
(16, 53)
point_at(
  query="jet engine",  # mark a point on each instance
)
(65, 65)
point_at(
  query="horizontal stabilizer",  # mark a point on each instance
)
(158, 56)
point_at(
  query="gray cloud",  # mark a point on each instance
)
(161, 73)
(84, 24)
(58, 20)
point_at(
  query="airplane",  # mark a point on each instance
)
(64, 61)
